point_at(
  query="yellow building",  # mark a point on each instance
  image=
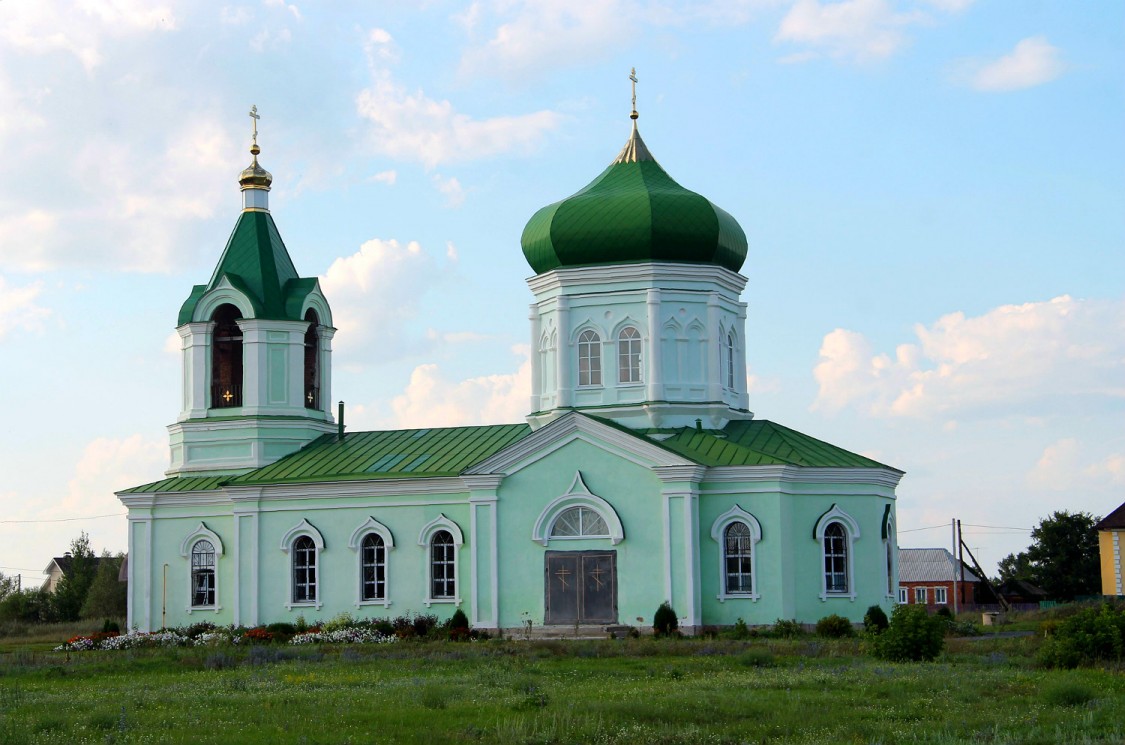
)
(1111, 540)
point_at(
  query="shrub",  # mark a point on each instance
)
(664, 621)
(1068, 694)
(945, 614)
(834, 627)
(341, 621)
(1091, 636)
(787, 629)
(875, 620)
(739, 630)
(111, 626)
(913, 635)
(423, 624)
(458, 620)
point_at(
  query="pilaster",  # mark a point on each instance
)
(562, 354)
(654, 360)
(679, 487)
(484, 553)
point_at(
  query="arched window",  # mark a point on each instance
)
(373, 566)
(730, 360)
(579, 522)
(203, 574)
(226, 358)
(304, 570)
(835, 559)
(737, 559)
(629, 355)
(589, 358)
(443, 566)
(312, 361)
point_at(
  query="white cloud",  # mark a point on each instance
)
(239, 16)
(385, 177)
(853, 29)
(266, 39)
(376, 292)
(18, 309)
(80, 28)
(108, 465)
(293, 10)
(1034, 61)
(1015, 360)
(1068, 464)
(412, 126)
(451, 188)
(432, 399)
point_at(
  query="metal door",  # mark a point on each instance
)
(581, 587)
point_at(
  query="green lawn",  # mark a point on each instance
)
(635, 691)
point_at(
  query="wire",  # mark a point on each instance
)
(66, 519)
(932, 527)
(24, 569)
(996, 527)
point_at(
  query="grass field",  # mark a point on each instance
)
(631, 691)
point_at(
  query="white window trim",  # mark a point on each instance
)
(718, 533)
(201, 532)
(890, 550)
(303, 528)
(851, 534)
(578, 495)
(600, 344)
(903, 595)
(921, 592)
(441, 522)
(941, 596)
(617, 340)
(355, 543)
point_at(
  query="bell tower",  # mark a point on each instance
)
(256, 346)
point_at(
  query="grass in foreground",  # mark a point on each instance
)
(642, 691)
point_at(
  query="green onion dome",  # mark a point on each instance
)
(633, 212)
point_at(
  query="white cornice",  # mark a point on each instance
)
(872, 476)
(568, 428)
(241, 421)
(661, 274)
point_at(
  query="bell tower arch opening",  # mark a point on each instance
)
(226, 358)
(312, 361)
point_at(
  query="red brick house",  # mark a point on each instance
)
(930, 576)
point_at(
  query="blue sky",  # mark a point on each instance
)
(932, 192)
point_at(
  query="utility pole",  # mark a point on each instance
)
(956, 586)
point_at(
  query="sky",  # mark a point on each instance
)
(932, 191)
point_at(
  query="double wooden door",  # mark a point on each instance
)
(581, 587)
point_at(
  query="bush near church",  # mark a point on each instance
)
(834, 627)
(1091, 636)
(875, 620)
(913, 636)
(664, 621)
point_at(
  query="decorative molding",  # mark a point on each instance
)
(578, 495)
(371, 525)
(663, 274)
(303, 528)
(887, 477)
(201, 531)
(851, 534)
(441, 522)
(835, 514)
(223, 293)
(718, 531)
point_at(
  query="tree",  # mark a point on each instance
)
(1015, 566)
(70, 593)
(107, 596)
(1063, 555)
(7, 585)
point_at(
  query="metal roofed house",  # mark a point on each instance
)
(1111, 543)
(640, 476)
(58, 567)
(931, 576)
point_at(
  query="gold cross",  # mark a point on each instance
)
(597, 575)
(562, 574)
(255, 117)
(228, 396)
(310, 397)
(633, 77)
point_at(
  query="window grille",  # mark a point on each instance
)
(374, 568)
(920, 595)
(940, 597)
(589, 359)
(202, 574)
(737, 558)
(580, 522)
(835, 559)
(304, 570)
(629, 355)
(443, 566)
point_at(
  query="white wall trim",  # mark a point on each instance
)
(851, 534)
(441, 522)
(368, 526)
(578, 495)
(718, 534)
(223, 293)
(303, 528)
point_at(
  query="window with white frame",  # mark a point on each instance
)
(589, 359)
(304, 570)
(203, 574)
(629, 355)
(903, 596)
(443, 565)
(373, 568)
(730, 360)
(579, 522)
(920, 595)
(737, 559)
(940, 596)
(835, 559)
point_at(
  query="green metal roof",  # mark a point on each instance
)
(406, 453)
(760, 442)
(634, 211)
(256, 262)
(180, 483)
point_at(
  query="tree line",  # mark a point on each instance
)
(88, 589)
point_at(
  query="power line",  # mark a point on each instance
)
(66, 519)
(932, 527)
(996, 527)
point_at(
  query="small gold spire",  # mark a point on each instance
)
(254, 176)
(633, 77)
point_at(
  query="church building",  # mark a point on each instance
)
(640, 476)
